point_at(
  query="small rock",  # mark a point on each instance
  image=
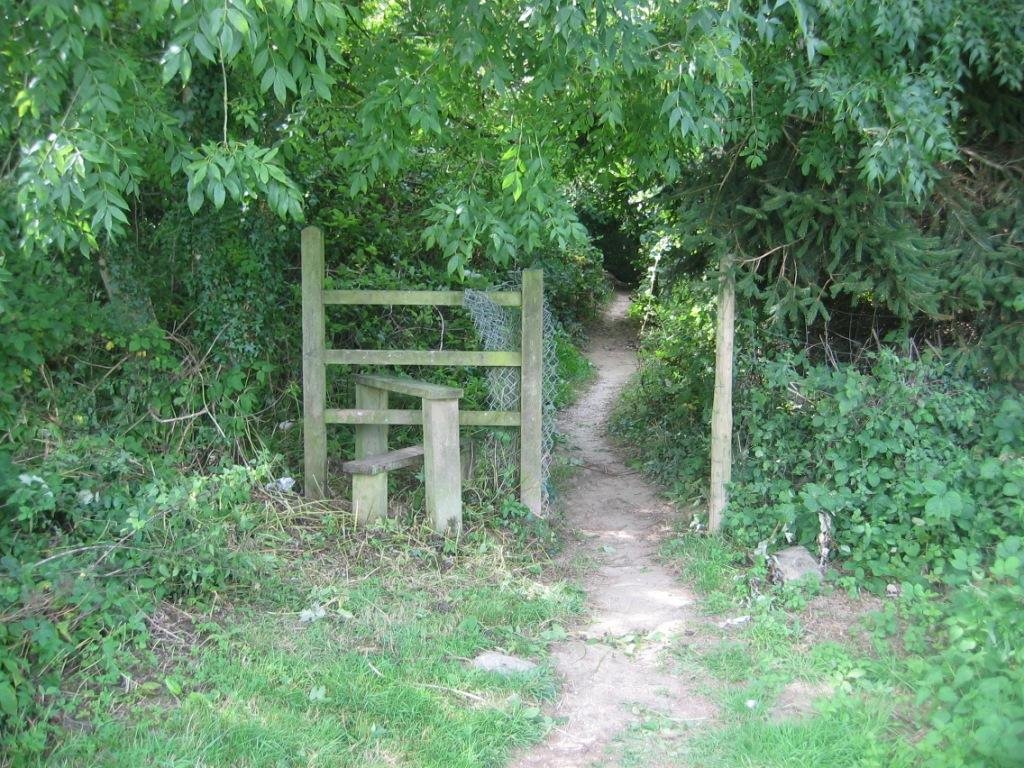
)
(793, 564)
(502, 663)
(737, 621)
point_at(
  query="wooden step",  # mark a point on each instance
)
(385, 462)
(406, 386)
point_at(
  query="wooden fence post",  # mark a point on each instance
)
(721, 409)
(442, 465)
(370, 492)
(530, 396)
(314, 371)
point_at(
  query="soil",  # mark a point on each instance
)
(613, 669)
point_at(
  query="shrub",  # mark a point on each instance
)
(666, 411)
(916, 472)
(965, 664)
(94, 540)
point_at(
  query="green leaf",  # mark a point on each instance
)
(218, 194)
(172, 63)
(238, 20)
(8, 700)
(280, 87)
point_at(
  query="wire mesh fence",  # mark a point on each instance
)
(499, 329)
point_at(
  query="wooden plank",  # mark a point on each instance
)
(420, 357)
(314, 372)
(383, 463)
(370, 494)
(407, 386)
(415, 417)
(442, 464)
(416, 298)
(721, 407)
(530, 399)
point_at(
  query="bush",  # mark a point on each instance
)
(918, 474)
(43, 315)
(965, 664)
(94, 540)
(666, 412)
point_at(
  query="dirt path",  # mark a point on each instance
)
(612, 670)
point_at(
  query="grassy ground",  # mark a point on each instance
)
(336, 647)
(354, 654)
(797, 679)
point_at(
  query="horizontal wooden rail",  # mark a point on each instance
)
(396, 416)
(420, 357)
(417, 298)
(406, 386)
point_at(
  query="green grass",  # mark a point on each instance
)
(847, 734)
(381, 679)
(844, 734)
(747, 667)
(710, 564)
(575, 371)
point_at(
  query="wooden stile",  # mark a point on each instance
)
(406, 386)
(370, 491)
(415, 298)
(413, 417)
(439, 415)
(385, 462)
(420, 357)
(442, 464)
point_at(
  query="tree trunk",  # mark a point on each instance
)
(721, 411)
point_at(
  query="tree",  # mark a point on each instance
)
(107, 99)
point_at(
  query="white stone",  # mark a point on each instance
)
(502, 663)
(794, 563)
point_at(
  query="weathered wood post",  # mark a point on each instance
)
(442, 465)
(370, 492)
(530, 397)
(314, 371)
(721, 410)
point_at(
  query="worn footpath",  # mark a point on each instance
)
(613, 669)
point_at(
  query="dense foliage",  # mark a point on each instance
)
(907, 477)
(860, 161)
(91, 548)
(911, 472)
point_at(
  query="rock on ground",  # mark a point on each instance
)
(793, 564)
(502, 663)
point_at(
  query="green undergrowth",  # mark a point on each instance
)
(105, 523)
(910, 469)
(353, 650)
(217, 620)
(103, 539)
(923, 679)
